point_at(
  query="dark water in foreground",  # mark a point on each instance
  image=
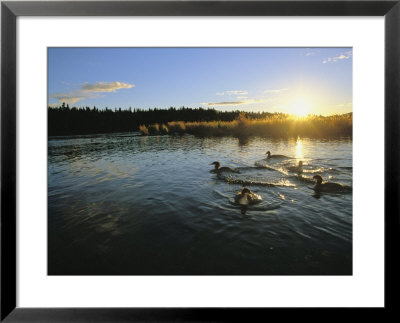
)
(132, 205)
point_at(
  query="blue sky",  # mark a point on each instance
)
(289, 80)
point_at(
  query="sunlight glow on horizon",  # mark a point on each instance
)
(300, 107)
(281, 80)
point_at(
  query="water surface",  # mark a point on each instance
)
(124, 204)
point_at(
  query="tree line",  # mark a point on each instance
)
(64, 120)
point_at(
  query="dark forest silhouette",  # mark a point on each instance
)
(64, 120)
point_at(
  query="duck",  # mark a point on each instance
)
(247, 197)
(296, 169)
(268, 153)
(326, 187)
(219, 169)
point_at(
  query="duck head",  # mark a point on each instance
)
(318, 178)
(268, 153)
(216, 164)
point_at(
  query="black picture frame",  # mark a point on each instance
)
(10, 10)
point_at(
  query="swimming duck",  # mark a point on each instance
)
(218, 168)
(268, 153)
(247, 197)
(296, 169)
(326, 187)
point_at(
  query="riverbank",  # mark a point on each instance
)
(277, 126)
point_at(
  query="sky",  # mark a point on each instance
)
(298, 81)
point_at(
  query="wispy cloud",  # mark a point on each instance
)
(224, 103)
(106, 87)
(311, 52)
(234, 103)
(88, 90)
(70, 97)
(342, 56)
(237, 92)
(275, 90)
(242, 97)
(233, 92)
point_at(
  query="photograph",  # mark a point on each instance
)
(200, 161)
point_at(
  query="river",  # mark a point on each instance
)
(125, 204)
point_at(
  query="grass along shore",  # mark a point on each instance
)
(275, 126)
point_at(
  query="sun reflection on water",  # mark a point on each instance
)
(299, 148)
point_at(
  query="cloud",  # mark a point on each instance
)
(345, 55)
(234, 103)
(312, 52)
(233, 92)
(237, 92)
(224, 103)
(69, 97)
(88, 90)
(106, 87)
(276, 90)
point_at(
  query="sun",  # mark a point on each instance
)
(300, 107)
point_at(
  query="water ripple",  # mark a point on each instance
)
(128, 204)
